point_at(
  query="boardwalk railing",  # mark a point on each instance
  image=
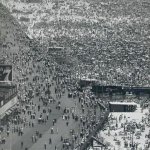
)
(99, 127)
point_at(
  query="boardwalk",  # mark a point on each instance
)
(93, 134)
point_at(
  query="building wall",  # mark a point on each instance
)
(116, 108)
(121, 108)
(7, 95)
(8, 105)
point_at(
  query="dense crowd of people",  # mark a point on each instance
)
(43, 83)
(107, 45)
(36, 89)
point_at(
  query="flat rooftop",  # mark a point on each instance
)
(123, 103)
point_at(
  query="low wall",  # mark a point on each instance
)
(7, 106)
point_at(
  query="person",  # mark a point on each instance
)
(61, 138)
(53, 122)
(47, 116)
(22, 144)
(45, 146)
(32, 138)
(52, 130)
(67, 123)
(50, 141)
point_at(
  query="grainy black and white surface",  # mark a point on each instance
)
(72, 62)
